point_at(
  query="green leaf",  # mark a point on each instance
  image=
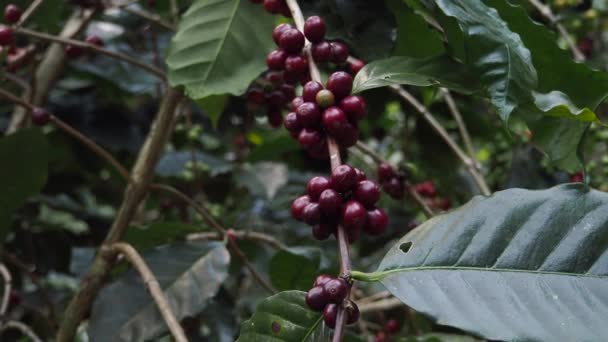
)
(23, 173)
(263, 178)
(438, 337)
(220, 47)
(158, 233)
(282, 317)
(190, 274)
(519, 265)
(213, 106)
(285, 276)
(414, 37)
(418, 72)
(172, 164)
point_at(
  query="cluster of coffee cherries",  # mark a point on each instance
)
(275, 7)
(347, 198)
(392, 182)
(430, 195)
(326, 295)
(390, 328)
(75, 51)
(12, 14)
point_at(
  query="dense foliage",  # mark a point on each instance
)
(312, 170)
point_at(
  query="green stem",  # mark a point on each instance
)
(370, 277)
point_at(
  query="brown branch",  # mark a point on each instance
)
(142, 175)
(24, 329)
(468, 163)
(151, 17)
(152, 285)
(247, 235)
(464, 132)
(6, 294)
(94, 48)
(28, 12)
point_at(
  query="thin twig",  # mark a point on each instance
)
(175, 11)
(468, 163)
(116, 55)
(247, 235)
(464, 132)
(24, 329)
(28, 12)
(258, 277)
(153, 286)
(546, 12)
(6, 295)
(151, 17)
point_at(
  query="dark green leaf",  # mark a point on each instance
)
(285, 276)
(419, 72)
(189, 274)
(262, 179)
(282, 317)
(158, 233)
(213, 106)
(23, 173)
(520, 265)
(220, 47)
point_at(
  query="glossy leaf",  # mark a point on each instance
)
(285, 276)
(414, 36)
(418, 72)
(282, 317)
(189, 274)
(24, 160)
(220, 47)
(520, 265)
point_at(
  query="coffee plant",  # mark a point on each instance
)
(312, 170)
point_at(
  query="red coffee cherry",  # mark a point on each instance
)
(291, 40)
(256, 96)
(360, 175)
(348, 136)
(289, 91)
(392, 326)
(309, 114)
(296, 102)
(310, 90)
(330, 313)
(380, 337)
(322, 279)
(298, 205)
(323, 231)
(276, 33)
(314, 29)
(343, 178)
(296, 64)
(330, 202)
(336, 290)
(394, 188)
(317, 298)
(377, 222)
(40, 116)
(367, 193)
(354, 215)
(273, 6)
(426, 189)
(6, 36)
(334, 120)
(355, 66)
(12, 13)
(291, 122)
(276, 59)
(277, 99)
(385, 172)
(274, 77)
(355, 106)
(340, 83)
(311, 213)
(94, 40)
(352, 312)
(316, 186)
(275, 119)
(339, 52)
(321, 52)
(309, 137)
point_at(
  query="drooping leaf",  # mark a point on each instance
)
(285, 276)
(24, 160)
(520, 265)
(418, 72)
(282, 317)
(214, 106)
(220, 47)
(189, 274)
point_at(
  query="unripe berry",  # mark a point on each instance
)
(12, 13)
(377, 222)
(94, 40)
(368, 193)
(40, 116)
(336, 290)
(339, 52)
(325, 98)
(291, 40)
(354, 106)
(317, 298)
(275, 60)
(314, 29)
(309, 114)
(334, 120)
(322, 279)
(6, 36)
(340, 83)
(276, 33)
(296, 64)
(330, 313)
(385, 172)
(309, 137)
(321, 52)
(353, 215)
(316, 186)
(298, 205)
(310, 90)
(343, 178)
(291, 122)
(330, 202)
(311, 213)
(322, 231)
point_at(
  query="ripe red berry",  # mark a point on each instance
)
(310, 90)
(40, 116)
(322, 279)
(94, 40)
(336, 290)
(339, 52)
(12, 13)
(352, 312)
(256, 96)
(275, 119)
(292, 77)
(330, 313)
(274, 77)
(426, 189)
(340, 83)
(6, 36)
(394, 188)
(311, 213)
(291, 122)
(321, 52)
(323, 231)
(385, 172)
(377, 222)
(392, 326)
(330, 202)
(285, 11)
(355, 66)
(360, 175)
(296, 64)
(314, 29)
(73, 51)
(298, 205)
(291, 40)
(317, 298)
(355, 106)
(289, 91)
(353, 215)
(334, 120)
(309, 137)
(368, 193)
(348, 136)
(309, 114)
(275, 60)
(319, 150)
(277, 99)
(380, 337)
(273, 6)
(325, 98)
(276, 33)
(316, 186)
(343, 178)
(577, 177)
(296, 102)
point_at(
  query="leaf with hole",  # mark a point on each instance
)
(520, 265)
